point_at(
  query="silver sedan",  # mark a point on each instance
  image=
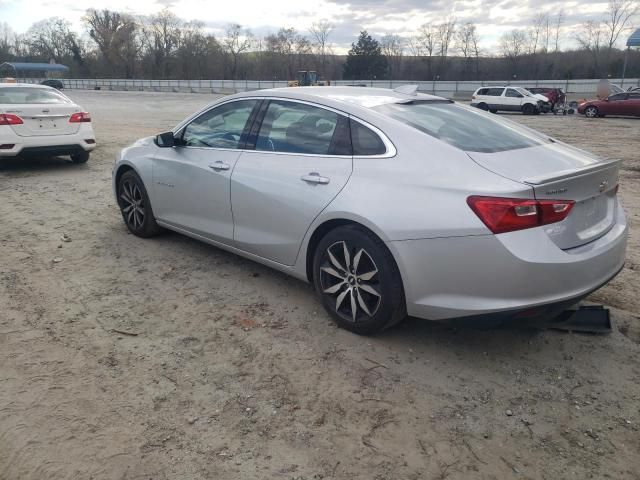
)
(391, 203)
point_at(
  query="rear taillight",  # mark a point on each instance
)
(502, 215)
(80, 117)
(10, 119)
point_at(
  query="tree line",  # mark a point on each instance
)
(163, 46)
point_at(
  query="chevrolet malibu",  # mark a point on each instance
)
(391, 203)
(36, 120)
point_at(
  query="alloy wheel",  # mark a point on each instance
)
(350, 276)
(132, 204)
(591, 112)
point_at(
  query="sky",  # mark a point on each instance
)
(378, 17)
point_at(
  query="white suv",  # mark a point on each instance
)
(514, 99)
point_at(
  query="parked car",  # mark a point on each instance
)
(36, 120)
(555, 96)
(389, 203)
(53, 83)
(623, 104)
(513, 99)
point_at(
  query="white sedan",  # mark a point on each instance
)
(36, 120)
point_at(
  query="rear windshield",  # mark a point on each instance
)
(463, 127)
(26, 95)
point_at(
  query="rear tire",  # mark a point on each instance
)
(483, 106)
(135, 206)
(493, 110)
(80, 157)
(357, 280)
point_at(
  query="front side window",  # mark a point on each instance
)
(293, 127)
(512, 93)
(463, 127)
(618, 96)
(220, 127)
(30, 95)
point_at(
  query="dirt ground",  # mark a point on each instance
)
(123, 358)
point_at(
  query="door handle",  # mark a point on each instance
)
(314, 177)
(218, 166)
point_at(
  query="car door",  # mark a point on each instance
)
(191, 180)
(513, 99)
(494, 97)
(615, 105)
(301, 161)
(633, 104)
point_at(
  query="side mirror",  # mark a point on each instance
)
(165, 140)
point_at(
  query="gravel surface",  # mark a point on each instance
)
(123, 358)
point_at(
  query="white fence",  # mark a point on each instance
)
(459, 89)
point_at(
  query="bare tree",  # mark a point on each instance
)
(161, 34)
(237, 41)
(6, 41)
(393, 49)
(557, 27)
(619, 16)
(444, 34)
(52, 39)
(116, 36)
(591, 38)
(513, 46)
(425, 45)
(320, 32)
(466, 39)
(538, 34)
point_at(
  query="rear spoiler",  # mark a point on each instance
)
(561, 175)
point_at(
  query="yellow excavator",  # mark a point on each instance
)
(309, 78)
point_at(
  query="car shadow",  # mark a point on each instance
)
(490, 334)
(33, 164)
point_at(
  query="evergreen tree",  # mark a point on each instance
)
(365, 60)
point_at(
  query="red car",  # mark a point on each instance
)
(625, 104)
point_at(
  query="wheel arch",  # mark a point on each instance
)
(326, 226)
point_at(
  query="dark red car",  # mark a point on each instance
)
(624, 104)
(556, 96)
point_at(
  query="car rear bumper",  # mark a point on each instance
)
(43, 146)
(447, 278)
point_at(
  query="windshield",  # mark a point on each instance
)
(463, 127)
(30, 95)
(524, 92)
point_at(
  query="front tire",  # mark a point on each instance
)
(528, 109)
(358, 281)
(591, 112)
(80, 157)
(135, 206)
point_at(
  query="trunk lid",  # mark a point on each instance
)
(560, 172)
(43, 119)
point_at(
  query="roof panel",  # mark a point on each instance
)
(45, 67)
(634, 39)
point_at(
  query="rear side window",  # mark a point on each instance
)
(482, 91)
(365, 141)
(293, 127)
(494, 92)
(463, 127)
(26, 95)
